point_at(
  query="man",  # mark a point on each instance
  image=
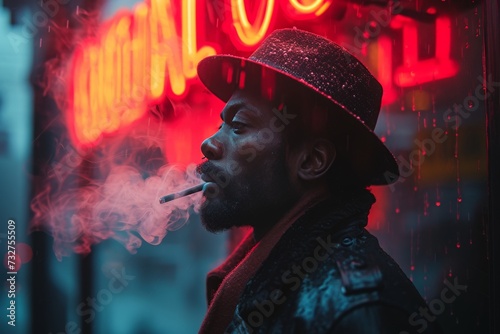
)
(293, 159)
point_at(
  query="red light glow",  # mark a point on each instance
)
(414, 71)
(306, 9)
(118, 74)
(140, 57)
(380, 58)
(248, 35)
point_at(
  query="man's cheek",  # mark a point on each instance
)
(265, 137)
(251, 147)
(247, 152)
(234, 168)
(260, 140)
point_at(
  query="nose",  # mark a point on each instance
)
(211, 148)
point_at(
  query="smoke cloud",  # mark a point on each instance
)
(83, 200)
(109, 189)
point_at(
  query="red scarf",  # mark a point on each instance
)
(225, 283)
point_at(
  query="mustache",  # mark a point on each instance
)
(208, 168)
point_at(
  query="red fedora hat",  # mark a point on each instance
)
(325, 68)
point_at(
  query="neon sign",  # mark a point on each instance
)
(414, 71)
(303, 10)
(138, 58)
(249, 35)
(117, 75)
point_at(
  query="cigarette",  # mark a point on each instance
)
(182, 193)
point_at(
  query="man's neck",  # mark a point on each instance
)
(305, 201)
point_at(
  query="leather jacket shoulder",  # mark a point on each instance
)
(326, 272)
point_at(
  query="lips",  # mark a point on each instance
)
(206, 178)
(211, 189)
(205, 170)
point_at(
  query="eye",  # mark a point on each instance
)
(238, 127)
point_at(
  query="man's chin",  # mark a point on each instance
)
(211, 217)
(216, 216)
(214, 226)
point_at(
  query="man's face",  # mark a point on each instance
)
(249, 181)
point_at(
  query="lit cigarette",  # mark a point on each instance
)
(182, 193)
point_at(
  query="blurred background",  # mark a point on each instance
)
(101, 110)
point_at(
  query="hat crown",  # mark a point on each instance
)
(326, 67)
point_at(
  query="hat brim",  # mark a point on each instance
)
(368, 155)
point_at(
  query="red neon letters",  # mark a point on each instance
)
(139, 57)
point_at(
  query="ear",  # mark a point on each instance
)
(316, 159)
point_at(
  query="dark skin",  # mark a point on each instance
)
(255, 176)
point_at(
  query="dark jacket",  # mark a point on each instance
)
(327, 274)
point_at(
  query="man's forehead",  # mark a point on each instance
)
(245, 100)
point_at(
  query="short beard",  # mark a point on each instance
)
(250, 202)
